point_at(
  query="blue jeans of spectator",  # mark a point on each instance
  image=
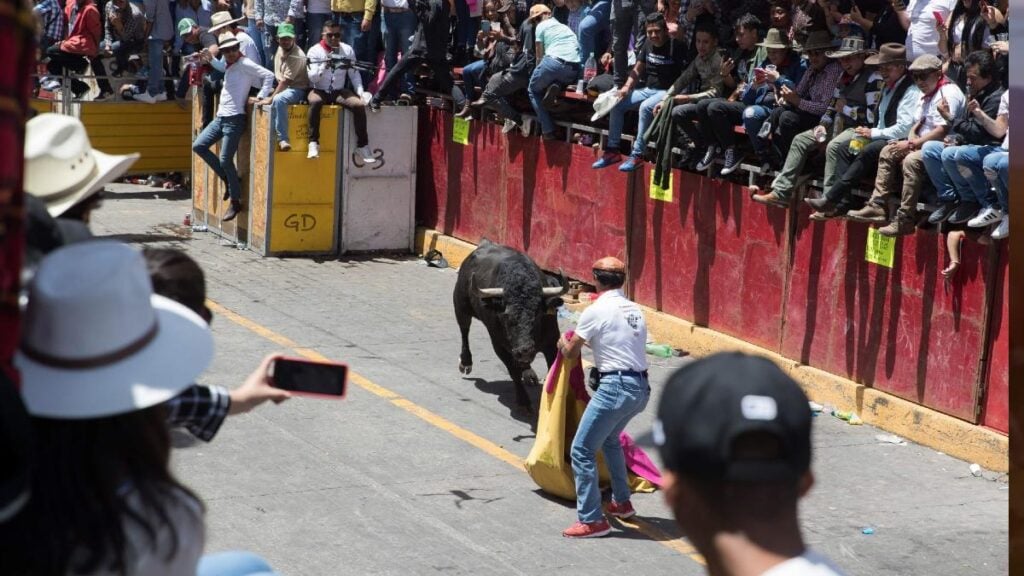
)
(504, 84)
(257, 36)
(595, 23)
(362, 43)
(282, 100)
(643, 99)
(155, 82)
(955, 160)
(753, 117)
(229, 129)
(471, 74)
(616, 402)
(315, 27)
(465, 26)
(398, 28)
(997, 168)
(549, 71)
(234, 563)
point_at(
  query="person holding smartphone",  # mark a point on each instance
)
(921, 19)
(965, 33)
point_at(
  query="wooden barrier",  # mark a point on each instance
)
(996, 409)
(208, 204)
(159, 132)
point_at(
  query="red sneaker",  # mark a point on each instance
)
(588, 529)
(624, 510)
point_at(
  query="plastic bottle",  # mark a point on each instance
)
(858, 143)
(660, 350)
(589, 69)
(199, 228)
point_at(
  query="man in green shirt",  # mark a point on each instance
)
(558, 64)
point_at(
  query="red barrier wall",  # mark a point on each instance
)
(996, 413)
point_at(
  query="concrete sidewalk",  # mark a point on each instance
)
(416, 471)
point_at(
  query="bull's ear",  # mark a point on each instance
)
(552, 304)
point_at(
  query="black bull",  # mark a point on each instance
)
(516, 301)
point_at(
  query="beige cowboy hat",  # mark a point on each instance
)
(818, 40)
(61, 167)
(97, 342)
(851, 46)
(775, 39)
(604, 103)
(221, 20)
(227, 40)
(888, 53)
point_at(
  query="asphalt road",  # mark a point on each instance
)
(418, 470)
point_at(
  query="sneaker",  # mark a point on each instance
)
(588, 529)
(624, 510)
(233, 211)
(942, 214)
(146, 97)
(466, 111)
(731, 162)
(607, 160)
(51, 85)
(772, 198)
(509, 126)
(986, 217)
(284, 146)
(1003, 230)
(314, 150)
(631, 164)
(161, 97)
(871, 213)
(708, 159)
(964, 212)
(366, 154)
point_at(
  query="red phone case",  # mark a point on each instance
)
(938, 17)
(315, 394)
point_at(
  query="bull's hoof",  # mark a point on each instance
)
(465, 368)
(530, 377)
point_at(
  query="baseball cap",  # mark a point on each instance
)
(538, 10)
(286, 30)
(185, 26)
(708, 405)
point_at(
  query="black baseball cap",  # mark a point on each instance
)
(708, 405)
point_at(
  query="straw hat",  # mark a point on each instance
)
(227, 40)
(775, 39)
(851, 46)
(889, 53)
(818, 40)
(221, 20)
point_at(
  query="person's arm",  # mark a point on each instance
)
(261, 11)
(108, 30)
(937, 133)
(369, 7)
(199, 409)
(902, 15)
(997, 126)
(833, 106)
(314, 65)
(150, 16)
(634, 77)
(714, 84)
(538, 50)
(682, 82)
(571, 348)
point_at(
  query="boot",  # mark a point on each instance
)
(233, 211)
(871, 213)
(901, 225)
(821, 204)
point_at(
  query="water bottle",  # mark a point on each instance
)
(857, 144)
(659, 350)
(589, 69)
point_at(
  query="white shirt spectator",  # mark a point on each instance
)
(322, 77)
(929, 112)
(907, 112)
(1004, 110)
(247, 46)
(922, 38)
(616, 331)
(238, 79)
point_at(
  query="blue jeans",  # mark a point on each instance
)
(616, 402)
(597, 22)
(753, 117)
(398, 28)
(548, 71)
(997, 168)
(315, 28)
(230, 129)
(471, 74)
(155, 82)
(950, 186)
(257, 36)
(465, 26)
(972, 186)
(280, 109)
(644, 99)
(362, 43)
(234, 563)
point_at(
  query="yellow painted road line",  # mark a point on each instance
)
(437, 421)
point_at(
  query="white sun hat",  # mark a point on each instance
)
(221, 20)
(61, 167)
(604, 103)
(97, 342)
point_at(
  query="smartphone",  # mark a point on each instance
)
(301, 376)
(899, 5)
(938, 17)
(485, 26)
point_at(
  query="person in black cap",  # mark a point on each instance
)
(734, 434)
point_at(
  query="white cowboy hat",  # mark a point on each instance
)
(61, 167)
(222, 19)
(97, 342)
(227, 40)
(604, 103)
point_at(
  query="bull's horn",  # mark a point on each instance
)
(552, 291)
(563, 286)
(490, 292)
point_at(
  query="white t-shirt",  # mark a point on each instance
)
(616, 331)
(930, 113)
(922, 37)
(1004, 110)
(809, 564)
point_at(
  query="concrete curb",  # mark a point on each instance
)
(916, 423)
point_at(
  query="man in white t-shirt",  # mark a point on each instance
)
(734, 435)
(918, 19)
(941, 99)
(615, 330)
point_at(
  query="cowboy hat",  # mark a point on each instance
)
(222, 19)
(227, 40)
(604, 103)
(851, 46)
(97, 342)
(61, 167)
(817, 40)
(888, 53)
(775, 39)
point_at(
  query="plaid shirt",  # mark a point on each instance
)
(52, 17)
(133, 27)
(200, 410)
(817, 87)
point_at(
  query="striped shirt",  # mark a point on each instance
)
(860, 96)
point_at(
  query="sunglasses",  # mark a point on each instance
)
(920, 75)
(332, 34)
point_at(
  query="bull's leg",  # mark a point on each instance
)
(518, 375)
(464, 318)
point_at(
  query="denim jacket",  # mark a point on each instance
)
(763, 95)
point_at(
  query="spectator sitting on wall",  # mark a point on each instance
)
(292, 82)
(493, 52)
(997, 168)
(964, 191)
(941, 102)
(429, 45)
(716, 117)
(854, 105)
(124, 32)
(513, 80)
(854, 153)
(782, 67)
(558, 65)
(51, 22)
(201, 47)
(81, 47)
(661, 61)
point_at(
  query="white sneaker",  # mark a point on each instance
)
(161, 97)
(986, 217)
(1003, 230)
(284, 146)
(509, 126)
(145, 97)
(314, 150)
(366, 154)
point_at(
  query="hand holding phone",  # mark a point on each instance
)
(300, 376)
(485, 26)
(940, 20)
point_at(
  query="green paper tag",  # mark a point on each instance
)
(659, 193)
(460, 131)
(880, 249)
